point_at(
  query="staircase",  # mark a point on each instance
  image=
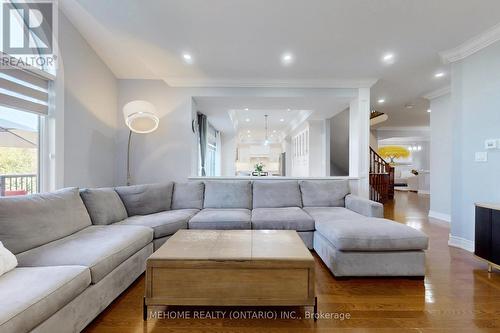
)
(381, 178)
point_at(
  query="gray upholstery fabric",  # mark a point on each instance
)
(158, 242)
(101, 248)
(364, 206)
(103, 205)
(307, 238)
(221, 219)
(371, 234)
(30, 295)
(391, 263)
(324, 193)
(288, 218)
(188, 195)
(146, 199)
(228, 194)
(275, 194)
(33, 220)
(162, 223)
(84, 308)
(331, 214)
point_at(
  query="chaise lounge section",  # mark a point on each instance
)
(77, 250)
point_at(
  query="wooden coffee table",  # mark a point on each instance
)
(231, 268)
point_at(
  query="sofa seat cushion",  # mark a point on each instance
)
(163, 223)
(287, 218)
(30, 295)
(101, 248)
(331, 213)
(221, 219)
(371, 234)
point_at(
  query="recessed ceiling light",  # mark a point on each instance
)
(248, 135)
(247, 120)
(246, 109)
(282, 120)
(289, 109)
(381, 100)
(429, 110)
(439, 74)
(187, 58)
(274, 131)
(388, 58)
(248, 131)
(287, 58)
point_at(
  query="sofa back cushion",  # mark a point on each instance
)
(30, 221)
(275, 194)
(324, 193)
(188, 195)
(104, 205)
(146, 199)
(228, 194)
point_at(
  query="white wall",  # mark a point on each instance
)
(475, 101)
(373, 140)
(317, 141)
(89, 105)
(228, 152)
(339, 144)
(441, 157)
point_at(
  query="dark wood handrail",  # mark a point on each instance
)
(381, 178)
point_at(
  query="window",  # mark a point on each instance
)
(212, 152)
(23, 101)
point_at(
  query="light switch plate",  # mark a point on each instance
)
(481, 156)
(491, 144)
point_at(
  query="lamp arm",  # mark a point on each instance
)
(129, 178)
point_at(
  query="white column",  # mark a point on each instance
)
(359, 140)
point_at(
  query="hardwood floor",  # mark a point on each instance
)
(457, 295)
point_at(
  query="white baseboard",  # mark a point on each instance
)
(440, 216)
(424, 192)
(462, 243)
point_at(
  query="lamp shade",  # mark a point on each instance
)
(140, 117)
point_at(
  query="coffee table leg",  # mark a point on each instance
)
(144, 309)
(315, 308)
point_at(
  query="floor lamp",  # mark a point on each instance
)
(140, 117)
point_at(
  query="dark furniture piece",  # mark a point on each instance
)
(487, 237)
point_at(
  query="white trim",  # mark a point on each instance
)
(404, 128)
(437, 93)
(424, 192)
(267, 83)
(473, 45)
(272, 178)
(461, 243)
(440, 216)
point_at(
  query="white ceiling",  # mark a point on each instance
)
(244, 40)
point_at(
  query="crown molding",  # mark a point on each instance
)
(437, 93)
(268, 83)
(472, 46)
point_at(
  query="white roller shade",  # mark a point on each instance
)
(23, 90)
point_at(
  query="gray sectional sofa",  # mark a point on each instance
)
(79, 249)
